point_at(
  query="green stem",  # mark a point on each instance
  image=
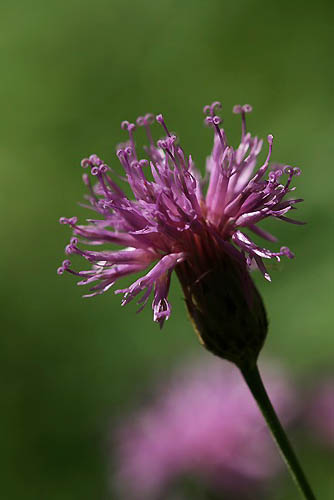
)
(255, 384)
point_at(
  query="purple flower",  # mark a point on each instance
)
(204, 423)
(320, 412)
(173, 218)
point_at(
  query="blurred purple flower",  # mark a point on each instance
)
(320, 412)
(171, 220)
(204, 423)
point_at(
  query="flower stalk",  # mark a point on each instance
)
(199, 227)
(231, 323)
(253, 379)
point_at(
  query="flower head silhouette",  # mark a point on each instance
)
(173, 218)
(173, 221)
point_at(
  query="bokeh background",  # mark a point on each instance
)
(70, 72)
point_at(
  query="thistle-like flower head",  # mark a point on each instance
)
(176, 218)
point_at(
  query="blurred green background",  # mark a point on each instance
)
(71, 71)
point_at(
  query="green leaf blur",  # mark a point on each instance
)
(71, 71)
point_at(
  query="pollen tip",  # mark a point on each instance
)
(103, 168)
(247, 108)
(237, 109)
(68, 249)
(208, 121)
(95, 160)
(287, 252)
(149, 117)
(141, 121)
(270, 139)
(65, 265)
(66, 220)
(125, 124)
(120, 153)
(85, 163)
(216, 105)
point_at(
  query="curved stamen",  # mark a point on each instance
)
(146, 121)
(238, 109)
(160, 119)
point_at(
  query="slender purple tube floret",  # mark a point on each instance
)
(173, 218)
